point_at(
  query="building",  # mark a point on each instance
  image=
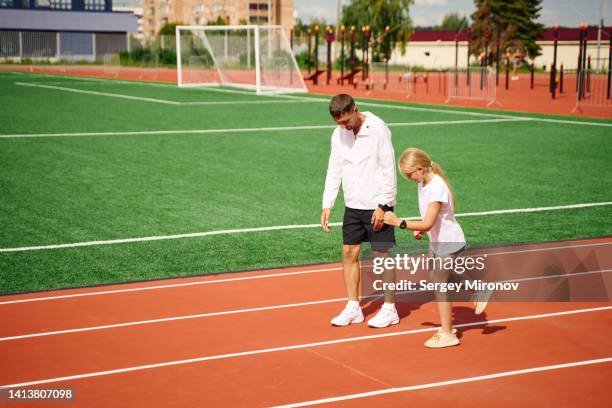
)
(157, 13)
(79, 30)
(437, 49)
(137, 11)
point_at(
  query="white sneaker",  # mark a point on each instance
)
(441, 339)
(385, 317)
(481, 299)
(350, 314)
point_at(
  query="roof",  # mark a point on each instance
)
(564, 34)
(55, 20)
(439, 36)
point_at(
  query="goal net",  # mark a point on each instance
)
(244, 56)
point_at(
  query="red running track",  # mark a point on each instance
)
(290, 354)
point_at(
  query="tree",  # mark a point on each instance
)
(453, 22)
(378, 14)
(219, 21)
(169, 29)
(514, 22)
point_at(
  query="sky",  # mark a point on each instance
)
(568, 13)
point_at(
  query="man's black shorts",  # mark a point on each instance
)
(357, 228)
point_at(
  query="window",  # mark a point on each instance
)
(42, 4)
(61, 4)
(200, 9)
(258, 19)
(258, 6)
(94, 5)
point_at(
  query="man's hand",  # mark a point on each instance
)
(325, 219)
(378, 219)
(392, 219)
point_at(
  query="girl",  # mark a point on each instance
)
(436, 205)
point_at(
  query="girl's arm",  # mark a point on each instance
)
(433, 209)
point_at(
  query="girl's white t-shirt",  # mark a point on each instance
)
(446, 230)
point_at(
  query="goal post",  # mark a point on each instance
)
(243, 56)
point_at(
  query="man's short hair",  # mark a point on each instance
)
(340, 105)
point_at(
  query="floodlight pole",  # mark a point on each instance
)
(316, 53)
(584, 57)
(342, 30)
(579, 72)
(497, 60)
(553, 69)
(329, 38)
(609, 60)
(599, 33)
(352, 39)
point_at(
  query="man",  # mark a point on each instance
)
(363, 161)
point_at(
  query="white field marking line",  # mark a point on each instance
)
(264, 308)
(156, 100)
(143, 83)
(114, 95)
(445, 383)
(360, 102)
(255, 102)
(173, 285)
(240, 130)
(107, 292)
(296, 347)
(276, 228)
(172, 132)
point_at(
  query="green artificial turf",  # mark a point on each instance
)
(58, 190)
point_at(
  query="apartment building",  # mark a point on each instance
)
(156, 13)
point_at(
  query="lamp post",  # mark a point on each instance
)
(553, 69)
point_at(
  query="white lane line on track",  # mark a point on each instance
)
(293, 347)
(448, 382)
(173, 285)
(280, 227)
(274, 275)
(170, 319)
(265, 308)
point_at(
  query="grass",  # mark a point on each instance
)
(72, 189)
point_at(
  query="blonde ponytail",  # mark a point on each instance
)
(413, 159)
(435, 167)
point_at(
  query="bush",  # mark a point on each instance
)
(167, 57)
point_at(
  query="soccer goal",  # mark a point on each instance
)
(244, 56)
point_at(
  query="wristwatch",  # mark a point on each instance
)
(403, 224)
(384, 207)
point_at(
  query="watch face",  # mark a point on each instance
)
(403, 224)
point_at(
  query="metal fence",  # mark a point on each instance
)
(60, 46)
(472, 83)
(594, 89)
